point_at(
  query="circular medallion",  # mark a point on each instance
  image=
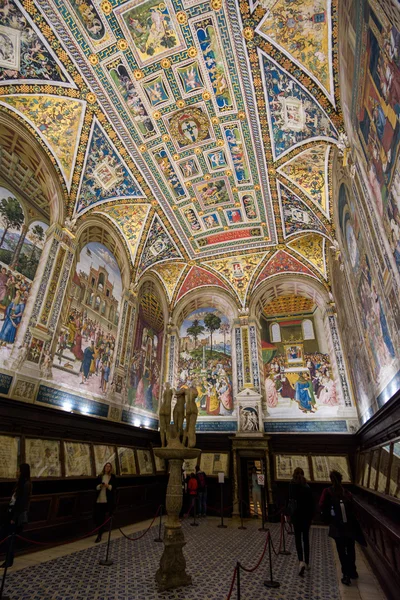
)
(122, 45)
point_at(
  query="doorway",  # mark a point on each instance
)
(250, 491)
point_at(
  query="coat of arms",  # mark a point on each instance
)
(189, 126)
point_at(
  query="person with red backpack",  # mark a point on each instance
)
(201, 492)
(192, 489)
(337, 509)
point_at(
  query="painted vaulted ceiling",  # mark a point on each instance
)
(203, 131)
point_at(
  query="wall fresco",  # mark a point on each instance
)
(205, 361)
(84, 354)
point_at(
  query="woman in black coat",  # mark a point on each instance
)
(106, 486)
(301, 510)
(17, 514)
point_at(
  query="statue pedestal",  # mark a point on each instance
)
(172, 570)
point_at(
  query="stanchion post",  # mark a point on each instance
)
(194, 524)
(3, 581)
(159, 539)
(107, 562)
(284, 552)
(262, 528)
(221, 525)
(270, 583)
(241, 516)
(238, 580)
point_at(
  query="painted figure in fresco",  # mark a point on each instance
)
(304, 394)
(327, 392)
(286, 390)
(271, 392)
(86, 362)
(13, 316)
(165, 413)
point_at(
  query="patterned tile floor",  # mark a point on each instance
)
(211, 555)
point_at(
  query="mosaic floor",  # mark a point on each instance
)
(211, 555)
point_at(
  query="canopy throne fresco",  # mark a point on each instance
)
(193, 148)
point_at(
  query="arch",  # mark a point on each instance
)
(97, 228)
(28, 171)
(211, 296)
(286, 284)
(150, 283)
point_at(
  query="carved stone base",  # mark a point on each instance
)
(172, 571)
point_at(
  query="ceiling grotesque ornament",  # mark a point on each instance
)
(309, 171)
(105, 175)
(312, 248)
(58, 121)
(303, 31)
(170, 274)
(203, 130)
(130, 220)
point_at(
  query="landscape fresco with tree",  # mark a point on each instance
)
(205, 361)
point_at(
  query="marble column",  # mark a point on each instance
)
(339, 367)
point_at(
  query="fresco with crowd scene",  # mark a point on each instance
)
(21, 246)
(205, 361)
(298, 374)
(84, 355)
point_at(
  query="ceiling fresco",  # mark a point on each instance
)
(202, 130)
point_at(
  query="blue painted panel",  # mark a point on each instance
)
(215, 426)
(5, 383)
(131, 418)
(305, 427)
(70, 402)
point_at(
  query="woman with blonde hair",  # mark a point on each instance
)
(106, 486)
(300, 509)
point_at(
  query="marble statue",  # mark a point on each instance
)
(189, 436)
(165, 414)
(179, 411)
(172, 570)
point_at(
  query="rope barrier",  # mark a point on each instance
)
(144, 533)
(232, 584)
(24, 539)
(260, 561)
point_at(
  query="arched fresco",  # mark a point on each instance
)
(20, 250)
(84, 355)
(145, 372)
(205, 360)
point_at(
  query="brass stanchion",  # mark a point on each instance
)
(270, 583)
(107, 562)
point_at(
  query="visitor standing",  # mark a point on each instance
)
(192, 488)
(255, 492)
(17, 513)
(106, 486)
(201, 492)
(300, 509)
(337, 509)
